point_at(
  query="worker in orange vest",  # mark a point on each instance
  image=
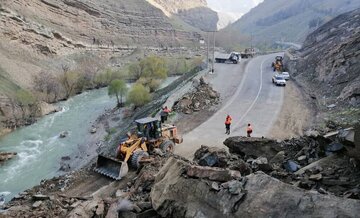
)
(249, 130)
(164, 114)
(227, 124)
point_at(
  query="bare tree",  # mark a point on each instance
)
(69, 80)
(46, 83)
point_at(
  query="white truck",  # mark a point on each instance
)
(233, 57)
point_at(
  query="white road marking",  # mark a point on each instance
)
(236, 125)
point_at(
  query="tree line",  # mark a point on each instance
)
(147, 75)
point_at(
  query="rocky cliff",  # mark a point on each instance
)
(328, 66)
(288, 21)
(195, 13)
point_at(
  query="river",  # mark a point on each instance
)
(39, 146)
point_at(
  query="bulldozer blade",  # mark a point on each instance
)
(111, 167)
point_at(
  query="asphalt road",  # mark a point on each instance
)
(248, 95)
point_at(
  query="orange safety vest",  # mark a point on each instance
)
(228, 120)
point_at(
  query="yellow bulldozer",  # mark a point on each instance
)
(277, 65)
(150, 134)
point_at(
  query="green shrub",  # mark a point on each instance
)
(138, 95)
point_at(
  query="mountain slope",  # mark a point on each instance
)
(289, 21)
(46, 38)
(193, 12)
(328, 66)
(36, 32)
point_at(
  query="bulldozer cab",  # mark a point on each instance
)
(149, 127)
(278, 58)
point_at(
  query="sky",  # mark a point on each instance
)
(233, 6)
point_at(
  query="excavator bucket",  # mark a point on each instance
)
(111, 167)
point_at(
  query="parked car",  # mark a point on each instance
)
(285, 75)
(279, 80)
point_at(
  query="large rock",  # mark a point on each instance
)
(90, 208)
(354, 151)
(252, 146)
(211, 156)
(269, 197)
(174, 195)
(7, 155)
(212, 173)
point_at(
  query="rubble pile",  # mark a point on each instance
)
(312, 163)
(300, 177)
(203, 97)
(46, 199)
(178, 193)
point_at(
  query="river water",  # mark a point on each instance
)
(39, 146)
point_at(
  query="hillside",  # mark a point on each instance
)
(287, 21)
(194, 13)
(328, 67)
(41, 37)
(36, 32)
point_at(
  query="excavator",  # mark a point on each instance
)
(150, 134)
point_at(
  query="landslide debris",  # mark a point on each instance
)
(175, 194)
(312, 163)
(201, 98)
(260, 178)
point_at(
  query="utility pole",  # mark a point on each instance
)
(208, 45)
(251, 41)
(213, 61)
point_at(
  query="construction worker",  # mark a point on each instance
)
(164, 114)
(228, 124)
(249, 130)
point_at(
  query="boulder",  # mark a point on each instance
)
(252, 146)
(7, 155)
(256, 195)
(354, 151)
(64, 134)
(334, 147)
(174, 195)
(93, 130)
(291, 166)
(278, 158)
(211, 156)
(212, 173)
(37, 204)
(40, 197)
(88, 209)
(269, 197)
